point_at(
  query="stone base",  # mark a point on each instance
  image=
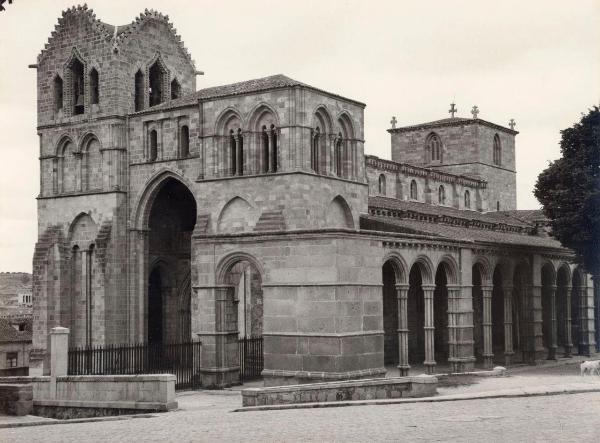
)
(462, 365)
(65, 410)
(16, 399)
(219, 378)
(368, 389)
(282, 378)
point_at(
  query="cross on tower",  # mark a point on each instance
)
(512, 124)
(453, 110)
(475, 111)
(393, 122)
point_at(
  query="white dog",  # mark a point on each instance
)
(590, 367)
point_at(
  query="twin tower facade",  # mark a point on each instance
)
(163, 210)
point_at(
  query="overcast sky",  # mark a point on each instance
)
(535, 61)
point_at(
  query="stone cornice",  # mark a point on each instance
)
(420, 171)
(450, 122)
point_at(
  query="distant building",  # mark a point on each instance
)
(15, 294)
(15, 344)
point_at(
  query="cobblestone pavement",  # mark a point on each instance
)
(206, 416)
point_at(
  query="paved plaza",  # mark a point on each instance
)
(207, 416)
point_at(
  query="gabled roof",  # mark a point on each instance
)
(452, 121)
(117, 34)
(278, 81)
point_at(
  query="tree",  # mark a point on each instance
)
(569, 191)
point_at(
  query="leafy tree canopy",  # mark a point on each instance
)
(569, 190)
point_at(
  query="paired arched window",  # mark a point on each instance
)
(382, 184)
(58, 93)
(434, 148)
(414, 192)
(94, 87)
(139, 91)
(184, 141)
(467, 199)
(442, 195)
(153, 151)
(497, 150)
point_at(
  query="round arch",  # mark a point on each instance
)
(425, 265)
(451, 269)
(399, 266)
(485, 270)
(321, 117)
(230, 260)
(257, 113)
(142, 206)
(346, 126)
(225, 117)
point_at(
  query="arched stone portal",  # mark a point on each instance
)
(171, 221)
(241, 307)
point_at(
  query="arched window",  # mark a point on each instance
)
(93, 165)
(77, 87)
(338, 156)
(58, 93)
(467, 200)
(442, 195)
(434, 148)
(240, 155)
(184, 139)
(497, 150)
(314, 149)
(153, 145)
(139, 91)
(232, 153)
(265, 149)
(94, 87)
(274, 153)
(175, 89)
(382, 184)
(156, 81)
(414, 194)
(69, 168)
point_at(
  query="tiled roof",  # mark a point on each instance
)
(531, 216)
(277, 81)
(438, 210)
(505, 227)
(9, 334)
(459, 233)
(452, 122)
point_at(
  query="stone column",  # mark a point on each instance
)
(488, 354)
(429, 329)
(553, 325)
(533, 348)
(568, 333)
(402, 295)
(508, 324)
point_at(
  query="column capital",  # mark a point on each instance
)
(428, 288)
(402, 286)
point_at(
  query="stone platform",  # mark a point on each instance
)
(368, 389)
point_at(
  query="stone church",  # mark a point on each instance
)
(169, 214)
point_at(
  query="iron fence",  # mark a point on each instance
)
(179, 359)
(251, 358)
